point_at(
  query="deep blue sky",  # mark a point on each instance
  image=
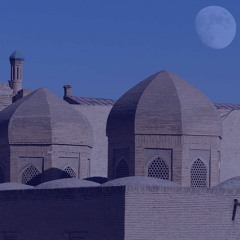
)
(104, 47)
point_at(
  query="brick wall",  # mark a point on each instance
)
(180, 213)
(6, 95)
(51, 159)
(91, 213)
(117, 213)
(97, 116)
(230, 152)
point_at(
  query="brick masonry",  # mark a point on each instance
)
(180, 213)
(230, 150)
(120, 213)
(97, 116)
(6, 94)
(91, 213)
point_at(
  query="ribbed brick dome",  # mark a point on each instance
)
(164, 104)
(43, 118)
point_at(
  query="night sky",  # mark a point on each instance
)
(104, 47)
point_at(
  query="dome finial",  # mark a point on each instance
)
(16, 56)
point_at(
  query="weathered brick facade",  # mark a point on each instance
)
(39, 141)
(164, 113)
(180, 213)
(120, 213)
(87, 213)
(6, 94)
(162, 127)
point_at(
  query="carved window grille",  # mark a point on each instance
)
(10, 237)
(159, 169)
(76, 236)
(199, 174)
(2, 177)
(31, 176)
(68, 173)
(122, 169)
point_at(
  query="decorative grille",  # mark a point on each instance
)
(31, 176)
(68, 173)
(158, 169)
(10, 237)
(122, 169)
(76, 236)
(1, 175)
(198, 174)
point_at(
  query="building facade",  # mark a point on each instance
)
(154, 126)
(154, 130)
(165, 148)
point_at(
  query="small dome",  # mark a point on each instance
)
(97, 179)
(232, 183)
(164, 104)
(14, 186)
(43, 118)
(16, 55)
(140, 181)
(67, 183)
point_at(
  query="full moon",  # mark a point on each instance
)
(215, 26)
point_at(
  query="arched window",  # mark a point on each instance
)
(68, 173)
(31, 176)
(199, 174)
(2, 177)
(159, 169)
(122, 169)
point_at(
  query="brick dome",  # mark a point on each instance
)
(140, 181)
(67, 183)
(232, 183)
(14, 186)
(43, 118)
(164, 104)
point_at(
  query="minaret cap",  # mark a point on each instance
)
(16, 56)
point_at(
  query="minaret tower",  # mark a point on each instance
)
(16, 61)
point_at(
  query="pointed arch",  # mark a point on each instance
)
(68, 172)
(158, 168)
(199, 174)
(122, 169)
(31, 176)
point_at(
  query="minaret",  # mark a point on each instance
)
(16, 61)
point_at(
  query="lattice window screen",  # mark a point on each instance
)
(122, 169)
(68, 173)
(198, 174)
(10, 237)
(159, 169)
(76, 236)
(31, 176)
(2, 178)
